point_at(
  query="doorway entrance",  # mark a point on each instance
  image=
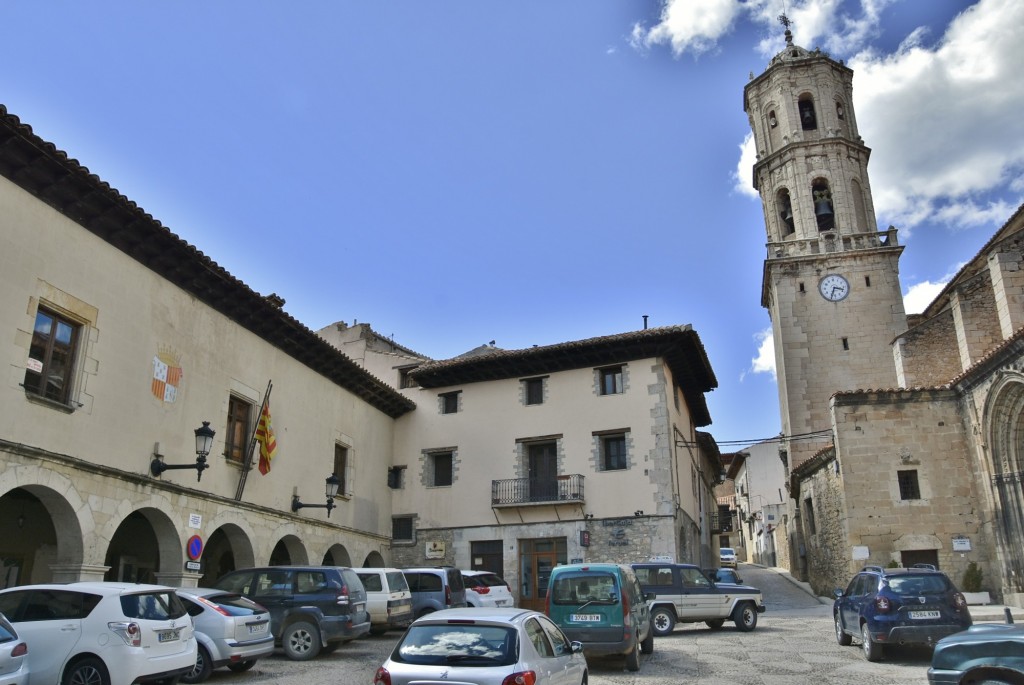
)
(543, 471)
(536, 559)
(920, 556)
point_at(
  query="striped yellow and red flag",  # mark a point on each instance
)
(265, 436)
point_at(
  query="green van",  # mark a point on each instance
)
(602, 606)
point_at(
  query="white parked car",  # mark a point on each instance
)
(727, 557)
(101, 633)
(13, 655)
(388, 598)
(486, 646)
(231, 630)
(486, 589)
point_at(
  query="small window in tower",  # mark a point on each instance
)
(846, 343)
(839, 110)
(785, 212)
(823, 210)
(808, 121)
(867, 281)
(802, 288)
(773, 121)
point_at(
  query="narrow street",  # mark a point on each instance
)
(793, 644)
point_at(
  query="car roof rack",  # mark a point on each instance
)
(925, 567)
(876, 569)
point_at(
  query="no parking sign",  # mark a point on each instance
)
(194, 550)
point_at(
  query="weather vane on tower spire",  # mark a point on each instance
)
(787, 22)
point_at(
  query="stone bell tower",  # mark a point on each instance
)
(831, 278)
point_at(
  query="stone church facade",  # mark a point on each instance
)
(900, 432)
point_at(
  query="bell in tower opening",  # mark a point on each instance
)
(823, 212)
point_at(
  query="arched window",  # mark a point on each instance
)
(785, 207)
(840, 112)
(824, 212)
(808, 120)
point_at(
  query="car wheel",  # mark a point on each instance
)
(242, 666)
(633, 658)
(647, 646)
(715, 624)
(872, 650)
(203, 668)
(842, 638)
(301, 641)
(746, 617)
(89, 671)
(662, 621)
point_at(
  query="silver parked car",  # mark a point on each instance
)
(231, 630)
(13, 655)
(485, 646)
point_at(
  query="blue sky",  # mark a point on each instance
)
(531, 172)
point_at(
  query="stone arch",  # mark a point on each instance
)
(168, 566)
(289, 550)
(1004, 429)
(68, 511)
(374, 560)
(228, 547)
(337, 555)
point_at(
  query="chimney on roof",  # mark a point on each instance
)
(645, 321)
(275, 300)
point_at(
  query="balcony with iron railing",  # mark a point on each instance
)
(518, 492)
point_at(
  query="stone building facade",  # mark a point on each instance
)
(126, 343)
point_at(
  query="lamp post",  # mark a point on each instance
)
(204, 443)
(331, 486)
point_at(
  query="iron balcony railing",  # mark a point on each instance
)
(510, 492)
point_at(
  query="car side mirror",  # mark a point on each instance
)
(837, 593)
(577, 647)
(648, 596)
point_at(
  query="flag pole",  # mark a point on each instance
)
(247, 462)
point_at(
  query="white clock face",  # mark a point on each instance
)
(834, 287)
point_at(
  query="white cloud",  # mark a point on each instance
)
(743, 178)
(689, 25)
(944, 122)
(764, 362)
(920, 295)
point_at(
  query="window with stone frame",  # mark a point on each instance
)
(51, 357)
(808, 119)
(343, 470)
(533, 391)
(402, 528)
(612, 451)
(239, 430)
(909, 486)
(396, 477)
(610, 380)
(441, 468)
(449, 402)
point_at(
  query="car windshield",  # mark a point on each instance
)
(396, 581)
(917, 585)
(486, 580)
(592, 588)
(728, 552)
(152, 606)
(464, 644)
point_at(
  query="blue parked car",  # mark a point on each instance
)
(898, 606)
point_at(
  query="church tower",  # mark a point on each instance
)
(831, 278)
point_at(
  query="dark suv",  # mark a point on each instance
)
(312, 608)
(897, 606)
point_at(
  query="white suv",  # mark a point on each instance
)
(486, 589)
(102, 633)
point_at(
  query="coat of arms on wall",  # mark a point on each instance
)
(167, 375)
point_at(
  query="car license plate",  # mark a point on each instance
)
(924, 614)
(584, 618)
(257, 628)
(168, 635)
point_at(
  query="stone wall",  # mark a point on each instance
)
(880, 435)
(928, 354)
(976, 318)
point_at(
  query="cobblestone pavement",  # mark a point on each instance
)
(793, 644)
